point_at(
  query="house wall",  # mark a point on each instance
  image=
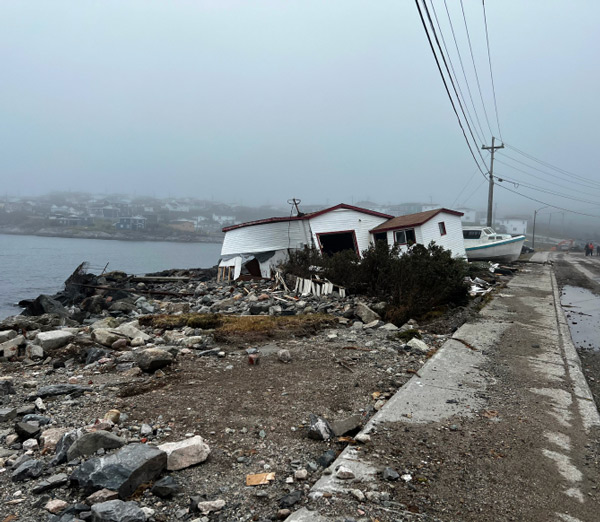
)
(345, 219)
(430, 231)
(266, 237)
(514, 226)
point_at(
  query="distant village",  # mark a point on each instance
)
(183, 219)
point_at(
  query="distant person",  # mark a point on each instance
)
(591, 248)
(587, 249)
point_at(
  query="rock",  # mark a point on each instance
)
(33, 351)
(207, 507)
(112, 416)
(344, 473)
(117, 511)
(152, 359)
(301, 474)
(319, 428)
(53, 390)
(418, 345)
(389, 327)
(290, 499)
(49, 438)
(365, 313)
(54, 339)
(40, 419)
(30, 444)
(373, 324)
(165, 487)
(284, 356)
(123, 471)
(26, 431)
(363, 438)
(102, 496)
(146, 430)
(7, 335)
(390, 474)
(119, 344)
(105, 336)
(55, 506)
(55, 481)
(327, 458)
(132, 331)
(7, 386)
(357, 494)
(95, 354)
(27, 470)
(185, 453)
(90, 443)
(43, 304)
(349, 424)
(39, 404)
(7, 414)
(63, 446)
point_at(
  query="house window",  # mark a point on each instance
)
(405, 237)
(442, 227)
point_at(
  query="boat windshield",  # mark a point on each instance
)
(488, 231)
(471, 234)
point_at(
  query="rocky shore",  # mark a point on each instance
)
(173, 397)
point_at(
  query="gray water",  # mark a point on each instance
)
(582, 309)
(31, 265)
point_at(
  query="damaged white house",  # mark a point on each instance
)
(255, 248)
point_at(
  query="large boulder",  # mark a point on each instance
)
(54, 339)
(43, 304)
(117, 511)
(106, 336)
(90, 443)
(123, 471)
(185, 453)
(10, 348)
(365, 313)
(152, 359)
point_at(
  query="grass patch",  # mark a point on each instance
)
(168, 322)
(407, 335)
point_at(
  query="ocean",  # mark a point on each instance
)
(31, 265)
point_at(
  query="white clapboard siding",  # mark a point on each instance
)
(266, 237)
(452, 240)
(343, 219)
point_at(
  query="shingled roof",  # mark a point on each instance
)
(413, 220)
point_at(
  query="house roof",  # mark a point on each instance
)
(413, 220)
(307, 216)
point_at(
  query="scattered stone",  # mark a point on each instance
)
(27, 470)
(55, 481)
(105, 336)
(284, 356)
(7, 414)
(344, 473)
(30, 444)
(418, 345)
(363, 438)
(54, 390)
(101, 496)
(319, 428)
(90, 443)
(55, 506)
(119, 344)
(357, 494)
(112, 416)
(165, 487)
(327, 458)
(49, 438)
(39, 404)
(152, 359)
(10, 349)
(53, 339)
(185, 453)
(290, 499)
(206, 507)
(25, 430)
(123, 471)
(7, 335)
(390, 474)
(389, 327)
(349, 424)
(7, 385)
(117, 511)
(365, 313)
(301, 474)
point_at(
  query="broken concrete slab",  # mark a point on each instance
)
(53, 339)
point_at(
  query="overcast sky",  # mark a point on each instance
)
(258, 101)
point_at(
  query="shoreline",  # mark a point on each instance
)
(115, 237)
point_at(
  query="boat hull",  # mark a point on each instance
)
(501, 251)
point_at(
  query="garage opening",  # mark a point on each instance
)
(337, 242)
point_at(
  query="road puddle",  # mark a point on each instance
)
(582, 310)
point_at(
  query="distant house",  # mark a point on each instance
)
(516, 225)
(223, 220)
(257, 247)
(469, 215)
(131, 223)
(183, 225)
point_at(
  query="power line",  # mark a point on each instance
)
(541, 178)
(464, 188)
(479, 136)
(549, 165)
(462, 66)
(473, 193)
(548, 204)
(546, 191)
(487, 39)
(447, 89)
(462, 7)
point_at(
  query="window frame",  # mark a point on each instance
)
(442, 228)
(404, 230)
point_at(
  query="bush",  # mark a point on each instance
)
(413, 283)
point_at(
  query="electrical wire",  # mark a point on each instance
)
(549, 165)
(437, 21)
(462, 66)
(462, 7)
(473, 193)
(546, 191)
(487, 39)
(464, 188)
(447, 89)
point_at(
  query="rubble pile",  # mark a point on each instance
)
(78, 360)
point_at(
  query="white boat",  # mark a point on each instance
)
(484, 244)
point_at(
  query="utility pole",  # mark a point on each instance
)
(491, 189)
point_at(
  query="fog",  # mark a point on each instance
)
(256, 102)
